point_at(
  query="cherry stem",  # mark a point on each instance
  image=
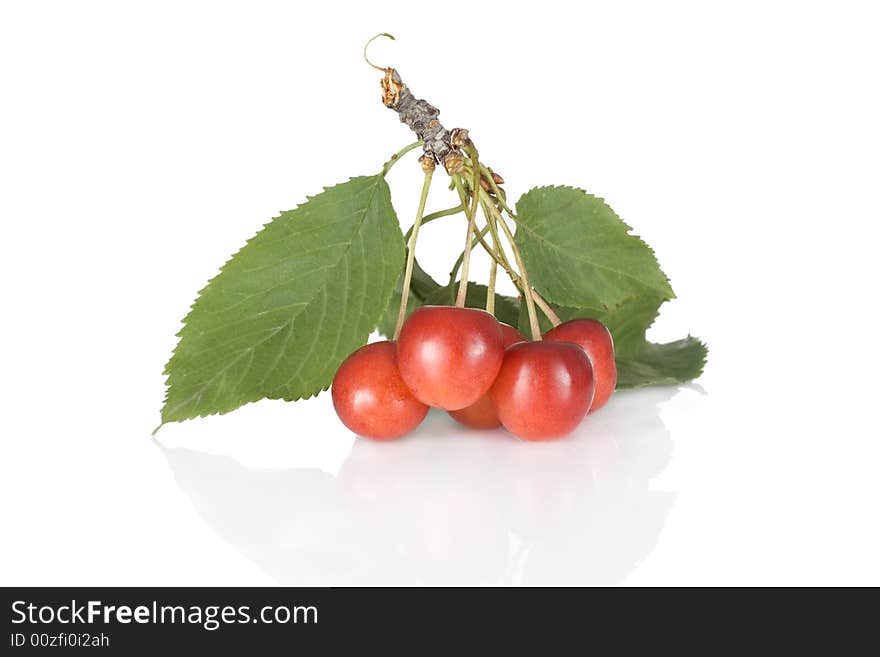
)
(399, 154)
(453, 274)
(499, 193)
(526, 286)
(496, 252)
(546, 309)
(435, 215)
(411, 253)
(501, 196)
(472, 219)
(490, 294)
(499, 258)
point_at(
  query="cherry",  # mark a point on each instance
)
(544, 389)
(594, 338)
(449, 356)
(481, 414)
(371, 398)
(510, 335)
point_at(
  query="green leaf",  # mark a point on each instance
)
(581, 257)
(642, 363)
(580, 254)
(662, 364)
(629, 321)
(284, 312)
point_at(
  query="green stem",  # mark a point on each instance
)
(539, 300)
(496, 252)
(499, 193)
(490, 295)
(471, 229)
(454, 273)
(499, 258)
(546, 309)
(399, 154)
(527, 288)
(434, 215)
(455, 183)
(499, 247)
(411, 254)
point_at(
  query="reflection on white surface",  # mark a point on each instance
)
(450, 506)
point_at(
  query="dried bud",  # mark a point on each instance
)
(484, 184)
(498, 179)
(460, 137)
(454, 162)
(427, 163)
(391, 88)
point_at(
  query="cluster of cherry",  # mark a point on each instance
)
(483, 372)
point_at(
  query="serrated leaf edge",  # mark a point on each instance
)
(166, 370)
(668, 293)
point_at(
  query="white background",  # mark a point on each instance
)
(142, 143)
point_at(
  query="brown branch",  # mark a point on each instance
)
(420, 116)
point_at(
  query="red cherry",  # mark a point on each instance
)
(481, 414)
(594, 338)
(370, 397)
(449, 356)
(543, 390)
(510, 335)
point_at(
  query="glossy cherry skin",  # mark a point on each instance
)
(595, 339)
(371, 398)
(481, 414)
(510, 335)
(544, 389)
(449, 356)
